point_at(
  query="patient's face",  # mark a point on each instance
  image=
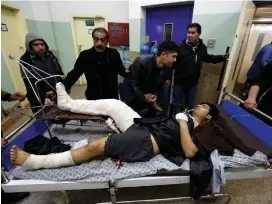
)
(202, 111)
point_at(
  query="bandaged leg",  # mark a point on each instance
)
(76, 156)
(49, 161)
(122, 114)
(31, 161)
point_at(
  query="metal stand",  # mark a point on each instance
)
(34, 72)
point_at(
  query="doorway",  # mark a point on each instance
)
(12, 44)
(260, 35)
(168, 23)
(83, 27)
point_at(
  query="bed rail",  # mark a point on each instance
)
(10, 135)
(241, 101)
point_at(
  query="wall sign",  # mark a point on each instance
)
(4, 27)
(89, 22)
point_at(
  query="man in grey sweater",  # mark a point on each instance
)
(38, 54)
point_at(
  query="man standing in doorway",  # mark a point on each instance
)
(189, 62)
(101, 66)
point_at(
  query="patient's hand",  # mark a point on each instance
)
(150, 98)
(181, 117)
(47, 101)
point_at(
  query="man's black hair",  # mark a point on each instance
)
(195, 25)
(168, 47)
(214, 112)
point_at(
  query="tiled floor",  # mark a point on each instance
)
(251, 191)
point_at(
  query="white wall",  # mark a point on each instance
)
(219, 6)
(61, 11)
(25, 6)
(114, 11)
(40, 10)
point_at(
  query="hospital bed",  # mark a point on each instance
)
(247, 127)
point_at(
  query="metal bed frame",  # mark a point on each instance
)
(10, 185)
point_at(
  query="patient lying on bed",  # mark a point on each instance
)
(139, 141)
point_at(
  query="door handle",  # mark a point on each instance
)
(21, 47)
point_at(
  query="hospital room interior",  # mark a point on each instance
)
(133, 101)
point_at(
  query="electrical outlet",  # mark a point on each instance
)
(211, 43)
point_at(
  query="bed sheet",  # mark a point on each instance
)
(104, 169)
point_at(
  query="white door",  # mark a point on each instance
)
(238, 47)
(13, 45)
(83, 35)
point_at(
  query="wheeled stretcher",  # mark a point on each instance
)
(253, 132)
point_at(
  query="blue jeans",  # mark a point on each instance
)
(185, 95)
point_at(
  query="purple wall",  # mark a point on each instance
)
(180, 16)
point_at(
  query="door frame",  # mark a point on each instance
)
(73, 17)
(22, 26)
(235, 59)
(74, 31)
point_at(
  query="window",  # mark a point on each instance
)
(168, 31)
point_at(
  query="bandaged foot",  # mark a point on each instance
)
(64, 100)
(122, 115)
(31, 162)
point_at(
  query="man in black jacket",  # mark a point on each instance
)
(38, 54)
(189, 62)
(260, 93)
(101, 66)
(145, 81)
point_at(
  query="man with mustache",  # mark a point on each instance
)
(145, 81)
(192, 53)
(101, 66)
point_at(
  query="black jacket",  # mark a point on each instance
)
(144, 78)
(264, 97)
(102, 80)
(200, 166)
(42, 86)
(189, 63)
